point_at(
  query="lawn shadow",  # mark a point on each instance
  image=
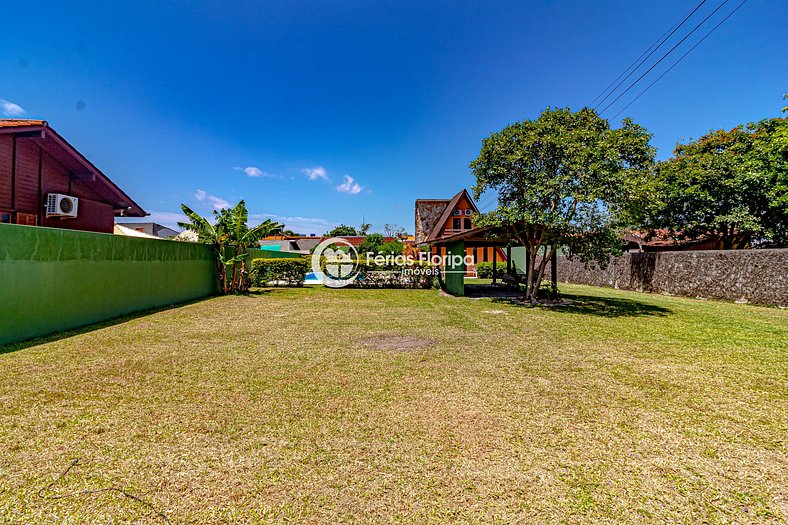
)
(71, 332)
(21, 345)
(599, 306)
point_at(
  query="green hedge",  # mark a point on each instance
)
(287, 272)
(484, 270)
(370, 275)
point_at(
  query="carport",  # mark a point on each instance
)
(453, 273)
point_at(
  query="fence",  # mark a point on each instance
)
(753, 276)
(55, 279)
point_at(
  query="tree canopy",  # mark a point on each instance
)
(343, 230)
(566, 178)
(731, 185)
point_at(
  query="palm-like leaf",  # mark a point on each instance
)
(263, 229)
(199, 225)
(240, 216)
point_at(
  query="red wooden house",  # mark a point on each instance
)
(439, 218)
(45, 181)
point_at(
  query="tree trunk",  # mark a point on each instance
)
(548, 255)
(529, 280)
(221, 269)
(234, 280)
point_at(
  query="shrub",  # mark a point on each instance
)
(484, 270)
(287, 272)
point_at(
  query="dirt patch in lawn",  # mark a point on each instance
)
(395, 342)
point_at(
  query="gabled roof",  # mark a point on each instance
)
(435, 233)
(52, 143)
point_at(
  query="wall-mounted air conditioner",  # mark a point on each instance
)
(62, 206)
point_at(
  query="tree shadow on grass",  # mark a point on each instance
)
(71, 332)
(600, 306)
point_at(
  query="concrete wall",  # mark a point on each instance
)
(754, 276)
(54, 279)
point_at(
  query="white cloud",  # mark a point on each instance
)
(315, 173)
(350, 186)
(254, 171)
(10, 109)
(303, 225)
(216, 202)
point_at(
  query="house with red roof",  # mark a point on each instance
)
(443, 218)
(45, 181)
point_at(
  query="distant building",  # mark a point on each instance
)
(45, 181)
(121, 229)
(151, 228)
(305, 244)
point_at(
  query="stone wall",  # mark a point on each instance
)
(428, 212)
(753, 276)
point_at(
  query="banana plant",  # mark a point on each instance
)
(231, 239)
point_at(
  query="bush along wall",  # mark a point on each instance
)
(279, 272)
(374, 276)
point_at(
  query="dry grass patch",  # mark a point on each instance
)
(622, 408)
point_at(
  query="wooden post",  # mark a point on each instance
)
(495, 262)
(554, 268)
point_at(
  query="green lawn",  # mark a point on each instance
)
(621, 408)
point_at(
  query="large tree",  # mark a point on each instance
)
(564, 179)
(343, 230)
(730, 185)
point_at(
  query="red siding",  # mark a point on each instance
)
(54, 177)
(6, 151)
(93, 214)
(27, 156)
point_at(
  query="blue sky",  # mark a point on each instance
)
(320, 113)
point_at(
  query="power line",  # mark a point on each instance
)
(664, 56)
(680, 59)
(658, 43)
(486, 201)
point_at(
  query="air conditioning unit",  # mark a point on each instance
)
(62, 206)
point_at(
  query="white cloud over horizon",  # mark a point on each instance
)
(350, 186)
(318, 172)
(217, 203)
(304, 225)
(10, 109)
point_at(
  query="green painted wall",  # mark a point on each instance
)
(454, 277)
(518, 258)
(53, 279)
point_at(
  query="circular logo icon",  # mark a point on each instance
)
(335, 262)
